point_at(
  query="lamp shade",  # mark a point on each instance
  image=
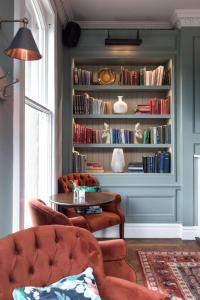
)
(23, 46)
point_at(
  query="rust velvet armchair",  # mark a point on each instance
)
(112, 213)
(40, 256)
(41, 214)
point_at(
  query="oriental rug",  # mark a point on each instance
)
(176, 273)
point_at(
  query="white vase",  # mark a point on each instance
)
(118, 162)
(120, 107)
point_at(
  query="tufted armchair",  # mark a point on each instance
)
(111, 215)
(41, 214)
(40, 256)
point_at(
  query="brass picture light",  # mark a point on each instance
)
(23, 45)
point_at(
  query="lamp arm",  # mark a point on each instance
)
(23, 20)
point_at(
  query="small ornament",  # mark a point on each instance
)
(106, 134)
(120, 107)
(137, 134)
(118, 162)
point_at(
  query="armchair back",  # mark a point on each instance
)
(83, 179)
(39, 256)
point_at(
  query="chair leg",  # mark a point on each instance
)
(121, 230)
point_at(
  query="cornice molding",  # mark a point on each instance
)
(186, 18)
(64, 10)
(123, 25)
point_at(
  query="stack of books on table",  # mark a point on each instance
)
(94, 167)
(135, 167)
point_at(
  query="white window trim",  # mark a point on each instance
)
(19, 123)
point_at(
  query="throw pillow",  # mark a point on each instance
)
(78, 287)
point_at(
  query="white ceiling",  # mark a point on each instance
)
(125, 11)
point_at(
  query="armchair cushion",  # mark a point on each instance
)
(75, 287)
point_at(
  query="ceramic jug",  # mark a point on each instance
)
(120, 107)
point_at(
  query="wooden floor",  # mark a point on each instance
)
(155, 244)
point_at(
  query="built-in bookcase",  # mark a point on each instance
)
(133, 95)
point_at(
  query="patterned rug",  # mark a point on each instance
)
(173, 272)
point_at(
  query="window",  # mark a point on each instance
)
(39, 107)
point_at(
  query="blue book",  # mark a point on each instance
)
(166, 162)
(161, 162)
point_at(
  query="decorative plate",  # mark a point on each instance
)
(106, 76)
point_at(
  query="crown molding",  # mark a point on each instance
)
(186, 18)
(123, 25)
(64, 10)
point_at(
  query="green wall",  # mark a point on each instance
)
(190, 119)
(150, 198)
(6, 125)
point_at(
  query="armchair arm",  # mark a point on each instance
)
(114, 206)
(116, 260)
(115, 288)
(79, 222)
(108, 249)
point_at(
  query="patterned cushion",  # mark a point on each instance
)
(77, 287)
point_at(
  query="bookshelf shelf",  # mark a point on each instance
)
(122, 116)
(128, 88)
(137, 146)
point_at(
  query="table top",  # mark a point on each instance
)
(91, 199)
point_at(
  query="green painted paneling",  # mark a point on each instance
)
(196, 60)
(174, 199)
(6, 125)
(190, 118)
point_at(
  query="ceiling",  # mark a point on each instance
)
(99, 12)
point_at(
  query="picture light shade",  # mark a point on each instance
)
(23, 46)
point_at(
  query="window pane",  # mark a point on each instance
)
(37, 156)
(35, 83)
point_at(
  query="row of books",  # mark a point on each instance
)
(152, 135)
(159, 106)
(157, 163)
(82, 76)
(86, 135)
(154, 106)
(84, 104)
(79, 162)
(157, 135)
(157, 77)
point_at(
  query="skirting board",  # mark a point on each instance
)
(133, 230)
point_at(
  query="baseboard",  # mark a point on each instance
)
(133, 230)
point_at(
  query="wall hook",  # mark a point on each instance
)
(3, 90)
(4, 76)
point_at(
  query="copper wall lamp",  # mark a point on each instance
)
(23, 46)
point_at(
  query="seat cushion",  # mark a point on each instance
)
(103, 220)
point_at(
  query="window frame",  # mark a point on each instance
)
(19, 116)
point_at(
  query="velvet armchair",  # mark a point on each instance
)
(112, 213)
(41, 214)
(40, 256)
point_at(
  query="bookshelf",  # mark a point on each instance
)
(134, 95)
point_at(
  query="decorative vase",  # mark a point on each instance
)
(120, 107)
(118, 162)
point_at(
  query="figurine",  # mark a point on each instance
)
(137, 134)
(106, 134)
